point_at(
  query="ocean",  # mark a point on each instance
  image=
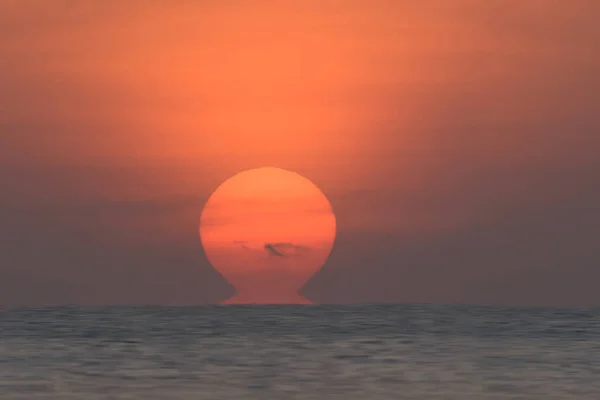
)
(299, 352)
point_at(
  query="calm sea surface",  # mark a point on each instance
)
(299, 352)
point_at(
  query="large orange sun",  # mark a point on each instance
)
(267, 231)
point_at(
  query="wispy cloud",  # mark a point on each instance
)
(275, 249)
(285, 249)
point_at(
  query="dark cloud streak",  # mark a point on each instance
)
(285, 249)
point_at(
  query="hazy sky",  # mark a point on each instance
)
(458, 142)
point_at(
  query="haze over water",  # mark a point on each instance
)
(299, 352)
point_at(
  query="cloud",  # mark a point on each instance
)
(277, 249)
(272, 251)
(285, 249)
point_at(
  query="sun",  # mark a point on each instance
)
(267, 231)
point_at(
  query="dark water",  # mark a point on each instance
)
(299, 352)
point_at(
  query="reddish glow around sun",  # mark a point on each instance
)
(267, 231)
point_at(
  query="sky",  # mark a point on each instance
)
(457, 142)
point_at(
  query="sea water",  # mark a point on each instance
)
(299, 352)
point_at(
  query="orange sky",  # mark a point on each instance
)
(420, 119)
(183, 82)
(180, 81)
